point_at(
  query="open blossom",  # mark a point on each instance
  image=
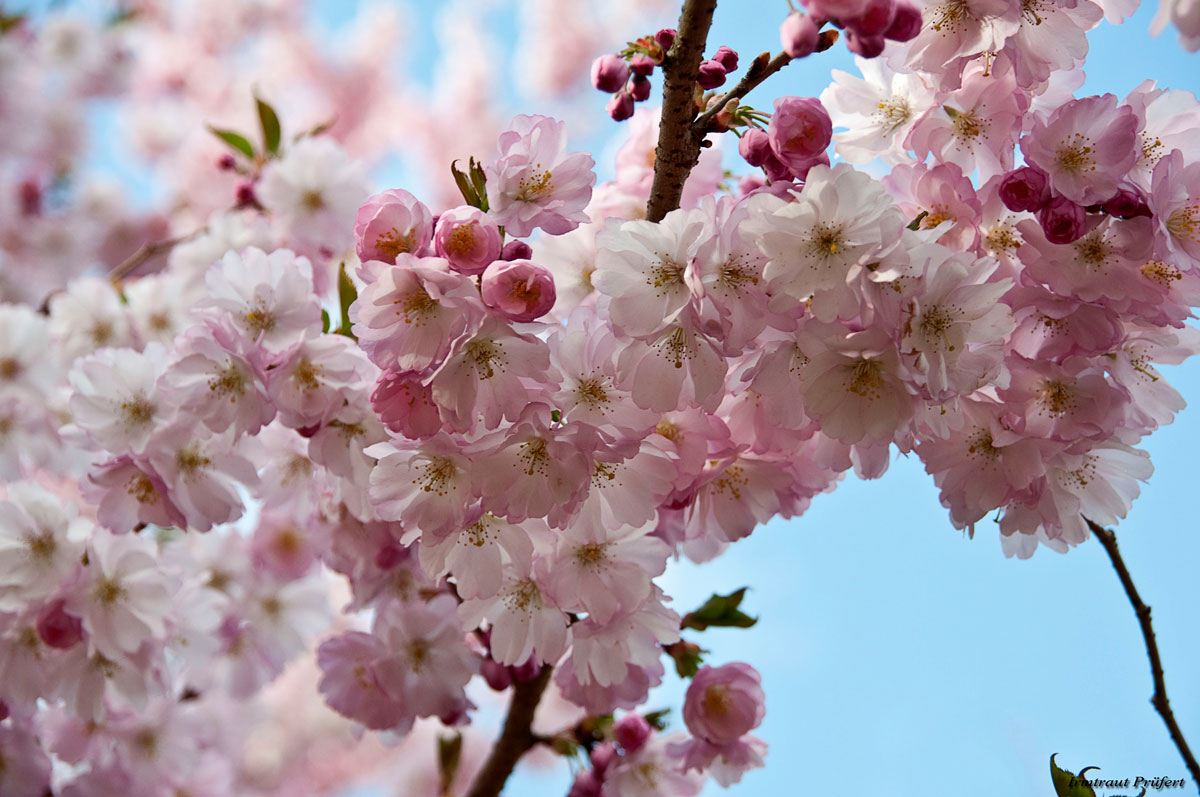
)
(519, 289)
(269, 297)
(534, 182)
(392, 223)
(39, 544)
(723, 703)
(116, 399)
(468, 238)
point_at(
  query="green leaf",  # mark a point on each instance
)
(658, 719)
(317, 129)
(555, 416)
(687, 657)
(347, 293)
(10, 21)
(479, 183)
(720, 611)
(465, 186)
(324, 320)
(449, 755)
(234, 140)
(1068, 785)
(915, 224)
(268, 120)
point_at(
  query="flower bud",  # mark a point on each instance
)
(1126, 204)
(518, 289)
(244, 195)
(631, 732)
(724, 703)
(586, 784)
(496, 674)
(875, 19)
(391, 223)
(798, 35)
(641, 64)
(865, 46)
(800, 129)
(602, 755)
(516, 250)
(620, 107)
(1026, 188)
(712, 75)
(906, 22)
(526, 671)
(57, 628)
(1062, 221)
(3, 711)
(389, 555)
(639, 88)
(226, 162)
(665, 38)
(609, 73)
(755, 146)
(468, 238)
(727, 58)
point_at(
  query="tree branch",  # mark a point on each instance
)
(1109, 540)
(759, 70)
(515, 740)
(144, 253)
(678, 145)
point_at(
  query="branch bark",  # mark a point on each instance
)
(515, 739)
(1159, 700)
(759, 70)
(144, 253)
(678, 144)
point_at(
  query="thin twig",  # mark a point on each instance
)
(515, 739)
(678, 146)
(144, 253)
(1109, 540)
(759, 70)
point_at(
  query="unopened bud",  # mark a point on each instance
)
(827, 39)
(639, 88)
(712, 75)
(620, 107)
(609, 73)
(665, 38)
(799, 35)
(641, 64)
(727, 58)
(865, 46)
(516, 250)
(906, 23)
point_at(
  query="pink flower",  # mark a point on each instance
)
(724, 703)
(1062, 220)
(1026, 188)
(534, 182)
(405, 405)
(391, 223)
(468, 238)
(609, 73)
(519, 289)
(799, 131)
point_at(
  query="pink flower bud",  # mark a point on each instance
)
(755, 146)
(609, 73)
(1062, 220)
(1126, 204)
(516, 250)
(586, 784)
(226, 162)
(389, 556)
(727, 58)
(405, 406)
(1026, 188)
(840, 10)
(392, 223)
(906, 23)
(519, 289)
(620, 107)
(602, 756)
(724, 703)
(244, 195)
(57, 628)
(3, 711)
(496, 674)
(665, 38)
(631, 732)
(712, 75)
(526, 671)
(798, 34)
(799, 130)
(641, 64)
(875, 19)
(639, 88)
(865, 46)
(468, 238)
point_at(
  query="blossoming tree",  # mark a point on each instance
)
(283, 455)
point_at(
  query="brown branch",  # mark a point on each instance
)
(678, 145)
(1109, 540)
(144, 253)
(515, 739)
(760, 69)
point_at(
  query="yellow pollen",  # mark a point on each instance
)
(669, 430)
(42, 547)
(438, 475)
(1162, 273)
(461, 240)
(416, 305)
(1074, 155)
(393, 244)
(312, 200)
(230, 382)
(142, 489)
(1056, 397)
(535, 186)
(108, 591)
(259, 320)
(137, 412)
(592, 555)
(866, 378)
(10, 368)
(306, 375)
(190, 460)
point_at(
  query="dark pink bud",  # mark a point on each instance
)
(57, 628)
(1026, 188)
(3, 711)
(639, 88)
(800, 129)
(389, 556)
(712, 75)
(875, 19)
(1127, 204)
(798, 34)
(226, 163)
(602, 755)
(496, 674)
(755, 146)
(29, 195)
(631, 732)
(1062, 221)
(526, 671)
(665, 38)
(609, 73)
(586, 784)
(516, 250)
(906, 23)
(866, 46)
(749, 183)
(641, 64)
(727, 58)
(620, 107)
(244, 195)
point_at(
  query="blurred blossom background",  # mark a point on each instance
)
(898, 655)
